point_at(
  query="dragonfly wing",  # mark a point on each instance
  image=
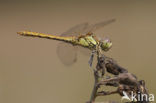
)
(67, 53)
(76, 30)
(85, 28)
(97, 26)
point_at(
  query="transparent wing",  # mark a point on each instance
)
(76, 30)
(67, 53)
(85, 28)
(97, 26)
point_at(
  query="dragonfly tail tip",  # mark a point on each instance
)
(20, 33)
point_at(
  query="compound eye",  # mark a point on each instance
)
(107, 40)
(106, 44)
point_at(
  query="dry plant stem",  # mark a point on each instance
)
(95, 88)
(99, 67)
(103, 93)
(123, 80)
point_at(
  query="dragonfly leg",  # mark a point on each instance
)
(91, 58)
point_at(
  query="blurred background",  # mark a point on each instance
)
(31, 72)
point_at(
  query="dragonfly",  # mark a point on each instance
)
(81, 35)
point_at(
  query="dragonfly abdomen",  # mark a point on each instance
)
(48, 36)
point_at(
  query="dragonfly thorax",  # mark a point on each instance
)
(87, 41)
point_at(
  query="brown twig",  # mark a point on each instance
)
(123, 80)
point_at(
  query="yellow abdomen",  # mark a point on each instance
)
(48, 36)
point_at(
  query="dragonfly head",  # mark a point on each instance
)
(106, 44)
